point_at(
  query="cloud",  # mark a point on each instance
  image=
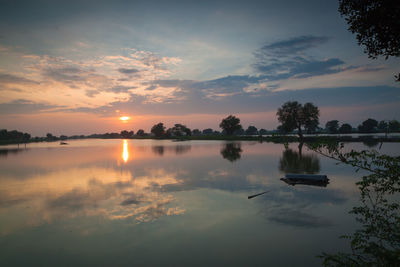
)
(130, 201)
(288, 59)
(103, 84)
(127, 71)
(294, 45)
(6, 78)
(22, 106)
(65, 74)
(225, 86)
(88, 82)
(291, 59)
(120, 89)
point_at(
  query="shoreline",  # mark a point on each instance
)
(273, 139)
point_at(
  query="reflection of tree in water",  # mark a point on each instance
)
(178, 149)
(181, 149)
(231, 151)
(296, 162)
(370, 142)
(159, 150)
(5, 152)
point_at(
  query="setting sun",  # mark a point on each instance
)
(125, 118)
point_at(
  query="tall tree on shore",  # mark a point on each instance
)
(295, 116)
(332, 126)
(345, 128)
(230, 124)
(368, 126)
(158, 129)
(394, 126)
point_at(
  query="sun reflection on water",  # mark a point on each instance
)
(125, 152)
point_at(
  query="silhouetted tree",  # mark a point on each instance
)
(394, 126)
(332, 126)
(383, 126)
(50, 137)
(126, 134)
(231, 151)
(368, 126)
(140, 132)
(293, 115)
(262, 132)
(345, 128)
(180, 130)
(196, 132)
(376, 24)
(251, 130)
(13, 136)
(158, 129)
(238, 132)
(208, 131)
(230, 124)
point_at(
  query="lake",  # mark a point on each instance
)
(159, 202)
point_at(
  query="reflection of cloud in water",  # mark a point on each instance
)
(297, 218)
(86, 192)
(294, 207)
(146, 213)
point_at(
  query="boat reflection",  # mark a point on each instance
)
(321, 183)
(125, 151)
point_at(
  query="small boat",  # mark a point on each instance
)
(306, 179)
(63, 143)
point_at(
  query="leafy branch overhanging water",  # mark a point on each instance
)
(377, 242)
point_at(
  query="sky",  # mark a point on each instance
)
(75, 67)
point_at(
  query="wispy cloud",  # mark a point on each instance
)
(127, 71)
(88, 82)
(295, 45)
(22, 106)
(7, 78)
(289, 58)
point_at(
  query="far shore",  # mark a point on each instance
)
(369, 139)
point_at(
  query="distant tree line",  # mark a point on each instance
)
(367, 126)
(297, 118)
(294, 118)
(13, 136)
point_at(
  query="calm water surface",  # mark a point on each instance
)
(148, 202)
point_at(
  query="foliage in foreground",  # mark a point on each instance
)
(377, 242)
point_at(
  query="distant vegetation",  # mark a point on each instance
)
(13, 137)
(295, 119)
